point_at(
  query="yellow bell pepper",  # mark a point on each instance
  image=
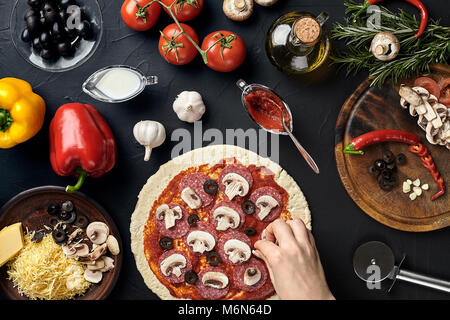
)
(21, 112)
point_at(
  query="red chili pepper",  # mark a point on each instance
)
(357, 144)
(416, 3)
(428, 162)
(81, 143)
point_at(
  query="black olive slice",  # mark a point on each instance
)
(53, 221)
(373, 171)
(386, 174)
(166, 243)
(392, 166)
(59, 236)
(248, 207)
(388, 157)
(210, 187)
(401, 159)
(67, 206)
(379, 164)
(38, 236)
(71, 219)
(213, 258)
(193, 219)
(81, 221)
(53, 209)
(250, 231)
(190, 277)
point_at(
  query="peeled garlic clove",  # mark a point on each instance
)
(425, 187)
(417, 191)
(406, 187)
(413, 196)
(416, 182)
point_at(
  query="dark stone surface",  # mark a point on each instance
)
(339, 225)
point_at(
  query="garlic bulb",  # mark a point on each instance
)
(189, 106)
(150, 134)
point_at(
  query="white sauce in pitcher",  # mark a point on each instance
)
(119, 83)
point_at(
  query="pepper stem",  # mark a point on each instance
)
(350, 149)
(5, 120)
(81, 177)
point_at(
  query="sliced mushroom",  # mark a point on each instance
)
(68, 250)
(201, 241)
(430, 133)
(97, 265)
(410, 96)
(265, 204)
(93, 276)
(266, 3)
(385, 46)
(173, 265)
(113, 245)
(226, 218)
(235, 185)
(109, 263)
(252, 276)
(213, 279)
(74, 234)
(430, 114)
(82, 250)
(191, 198)
(97, 232)
(98, 252)
(238, 10)
(237, 250)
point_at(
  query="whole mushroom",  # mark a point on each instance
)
(238, 10)
(266, 3)
(385, 46)
(97, 232)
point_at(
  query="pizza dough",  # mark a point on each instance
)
(297, 205)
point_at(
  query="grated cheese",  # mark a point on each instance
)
(42, 271)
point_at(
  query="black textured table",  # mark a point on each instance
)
(338, 224)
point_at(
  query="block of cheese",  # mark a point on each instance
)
(11, 242)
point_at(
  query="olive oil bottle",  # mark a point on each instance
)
(298, 42)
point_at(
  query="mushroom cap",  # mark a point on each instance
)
(169, 264)
(266, 3)
(109, 263)
(385, 46)
(93, 276)
(97, 232)
(98, 252)
(214, 279)
(113, 245)
(238, 10)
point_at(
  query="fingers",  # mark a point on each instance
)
(267, 248)
(259, 255)
(280, 231)
(299, 230)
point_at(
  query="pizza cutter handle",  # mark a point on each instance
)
(423, 280)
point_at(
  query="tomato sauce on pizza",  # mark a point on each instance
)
(200, 232)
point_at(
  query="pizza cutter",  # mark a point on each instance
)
(376, 253)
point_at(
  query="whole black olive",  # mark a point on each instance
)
(51, 17)
(71, 34)
(193, 219)
(85, 30)
(388, 157)
(36, 44)
(53, 209)
(34, 3)
(248, 207)
(250, 231)
(213, 258)
(48, 54)
(67, 206)
(373, 171)
(379, 164)
(57, 31)
(49, 7)
(63, 15)
(46, 41)
(190, 277)
(401, 159)
(25, 36)
(33, 25)
(210, 187)
(166, 243)
(59, 236)
(81, 221)
(30, 12)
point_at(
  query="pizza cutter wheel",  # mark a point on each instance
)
(376, 253)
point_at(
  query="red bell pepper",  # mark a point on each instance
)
(81, 143)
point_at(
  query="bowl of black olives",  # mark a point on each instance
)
(56, 35)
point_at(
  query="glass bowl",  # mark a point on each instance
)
(84, 49)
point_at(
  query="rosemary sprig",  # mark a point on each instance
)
(415, 54)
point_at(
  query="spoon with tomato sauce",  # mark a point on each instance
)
(272, 114)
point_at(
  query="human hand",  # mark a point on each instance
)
(290, 253)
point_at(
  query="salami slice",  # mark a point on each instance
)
(181, 226)
(239, 170)
(175, 261)
(267, 191)
(208, 292)
(203, 227)
(223, 218)
(233, 235)
(196, 181)
(249, 272)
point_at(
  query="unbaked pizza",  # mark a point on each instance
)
(198, 218)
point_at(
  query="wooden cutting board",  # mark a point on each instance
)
(369, 109)
(30, 208)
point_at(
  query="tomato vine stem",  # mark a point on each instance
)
(225, 41)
